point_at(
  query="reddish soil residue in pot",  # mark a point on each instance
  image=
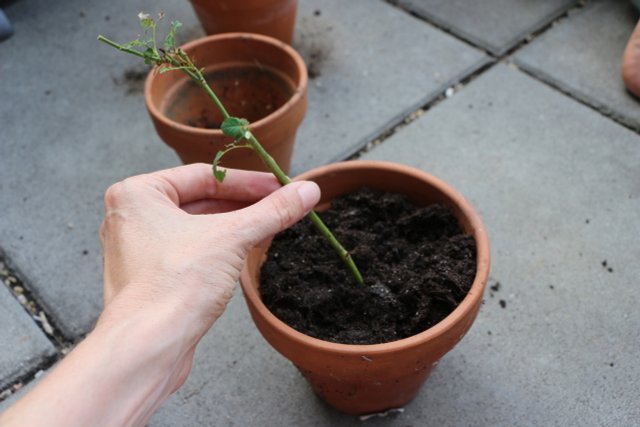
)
(246, 91)
(417, 263)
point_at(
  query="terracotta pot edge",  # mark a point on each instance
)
(297, 99)
(473, 297)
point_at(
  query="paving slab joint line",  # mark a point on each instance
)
(526, 40)
(12, 279)
(504, 58)
(30, 376)
(543, 29)
(450, 32)
(414, 115)
(600, 109)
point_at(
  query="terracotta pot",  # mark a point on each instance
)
(257, 77)
(275, 18)
(362, 379)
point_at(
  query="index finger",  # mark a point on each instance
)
(190, 183)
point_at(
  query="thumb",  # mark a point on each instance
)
(278, 211)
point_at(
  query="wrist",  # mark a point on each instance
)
(119, 375)
(150, 357)
(189, 304)
(137, 368)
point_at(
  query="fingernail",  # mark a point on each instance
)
(309, 193)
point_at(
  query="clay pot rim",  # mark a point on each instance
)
(475, 292)
(244, 5)
(299, 90)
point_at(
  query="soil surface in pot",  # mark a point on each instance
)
(246, 91)
(417, 263)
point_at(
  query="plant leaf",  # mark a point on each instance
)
(235, 127)
(219, 173)
(150, 56)
(170, 40)
(134, 43)
(146, 21)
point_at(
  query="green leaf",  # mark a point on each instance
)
(170, 40)
(219, 173)
(134, 43)
(146, 21)
(235, 127)
(150, 56)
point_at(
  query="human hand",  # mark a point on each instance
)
(175, 242)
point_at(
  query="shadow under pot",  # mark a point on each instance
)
(274, 18)
(256, 77)
(371, 378)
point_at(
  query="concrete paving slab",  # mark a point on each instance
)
(558, 188)
(73, 122)
(582, 54)
(371, 64)
(496, 25)
(16, 395)
(24, 345)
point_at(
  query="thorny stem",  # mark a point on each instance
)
(180, 60)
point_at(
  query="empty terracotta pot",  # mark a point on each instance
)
(256, 77)
(275, 18)
(362, 379)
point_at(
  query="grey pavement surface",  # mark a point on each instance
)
(584, 58)
(495, 25)
(358, 99)
(547, 153)
(24, 344)
(73, 122)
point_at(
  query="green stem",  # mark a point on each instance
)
(153, 37)
(313, 216)
(335, 244)
(199, 78)
(196, 74)
(120, 47)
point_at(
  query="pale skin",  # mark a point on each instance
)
(631, 62)
(174, 243)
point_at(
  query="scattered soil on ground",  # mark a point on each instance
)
(314, 42)
(417, 263)
(133, 79)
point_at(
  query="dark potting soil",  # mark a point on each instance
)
(417, 263)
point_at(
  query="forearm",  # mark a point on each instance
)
(172, 255)
(118, 376)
